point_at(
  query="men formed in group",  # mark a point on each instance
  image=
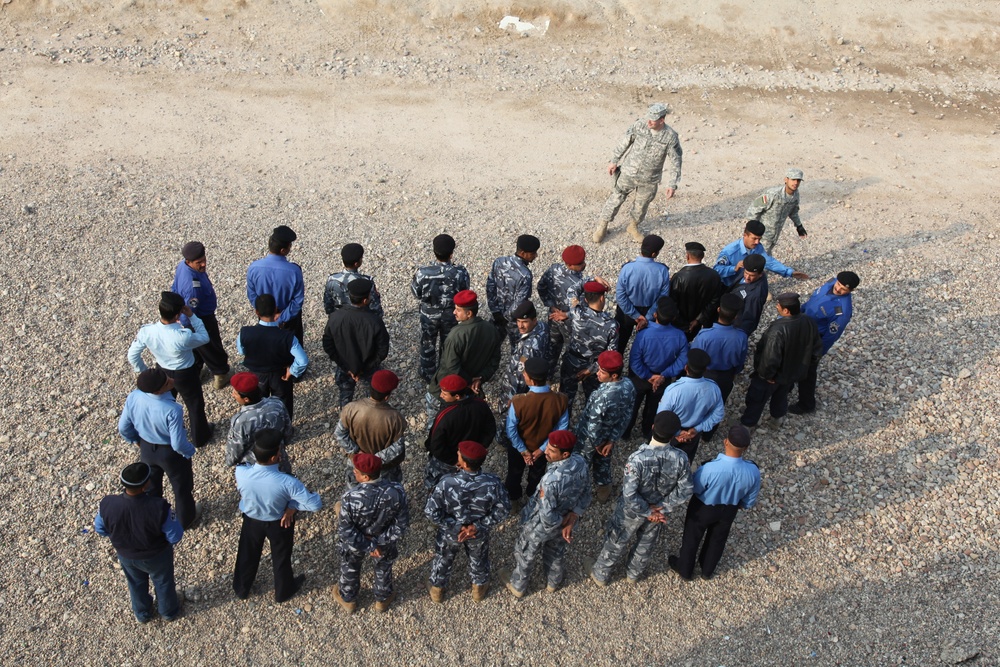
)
(530, 418)
(152, 419)
(782, 357)
(191, 281)
(640, 285)
(591, 331)
(271, 353)
(721, 488)
(726, 346)
(465, 506)
(269, 500)
(657, 480)
(831, 308)
(604, 419)
(172, 347)
(533, 341)
(509, 284)
(256, 412)
(463, 417)
(143, 531)
(657, 358)
(337, 293)
(373, 426)
(729, 264)
(275, 275)
(752, 290)
(561, 288)
(373, 517)
(471, 350)
(637, 166)
(435, 287)
(355, 339)
(547, 521)
(695, 289)
(697, 402)
(777, 204)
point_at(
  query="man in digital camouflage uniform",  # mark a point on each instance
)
(435, 287)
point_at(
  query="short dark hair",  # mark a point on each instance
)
(265, 305)
(443, 258)
(275, 246)
(694, 374)
(474, 464)
(793, 308)
(377, 395)
(592, 297)
(254, 396)
(267, 443)
(727, 316)
(168, 311)
(472, 307)
(697, 254)
(358, 299)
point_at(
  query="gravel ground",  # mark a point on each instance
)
(134, 129)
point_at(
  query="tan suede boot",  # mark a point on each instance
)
(633, 229)
(602, 229)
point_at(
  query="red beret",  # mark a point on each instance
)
(472, 450)
(384, 381)
(465, 298)
(574, 254)
(245, 383)
(368, 464)
(453, 383)
(611, 361)
(594, 287)
(564, 440)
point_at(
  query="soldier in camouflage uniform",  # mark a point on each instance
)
(547, 521)
(256, 412)
(372, 518)
(373, 426)
(533, 341)
(604, 419)
(657, 479)
(509, 283)
(775, 205)
(465, 506)
(336, 295)
(591, 331)
(435, 287)
(645, 148)
(561, 288)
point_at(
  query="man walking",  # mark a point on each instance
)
(777, 204)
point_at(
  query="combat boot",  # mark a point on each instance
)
(221, 381)
(603, 493)
(602, 229)
(479, 592)
(437, 593)
(384, 605)
(633, 229)
(349, 607)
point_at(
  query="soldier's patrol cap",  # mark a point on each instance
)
(563, 440)
(367, 464)
(698, 360)
(193, 250)
(444, 244)
(651, 243)
(848, 279)
(656, 111)
(694, 246)
(525, 311)
(453, 384)
(755, 227)
(536, 368)
(245, 383)
(754, 263)
(284, 234)
(360, 287)
(611, 361)
(466, 298)
(594, 287)
(666, 309)
(574, 254)
(151, 380)
(665, 426)
(351, 253)
(384, 381)
(731, 301)
(135, 475)
(787, 299)
(739, 436)
(172, 300)
(472, 450)
(795, 174)
(528, 243)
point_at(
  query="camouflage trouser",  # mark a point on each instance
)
(620, 531)
(350, 573)
(446, 549)
(433, 405)
(600, 466)
(434, 471)
(433, 330)
(394, 474)
(346, 385)
(771, 233)
(558, 333)
(624, 186)
(530, 542)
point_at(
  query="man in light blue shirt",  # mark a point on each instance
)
(153, 420)
(269, 500)
(696, 400)
(729, 264)
(726, 345)
(641, 283)
(172, 347)
(275, 275)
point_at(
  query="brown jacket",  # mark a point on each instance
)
(373, 425)
(538, 415)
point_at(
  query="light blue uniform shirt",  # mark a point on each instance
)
(736, 252)
(298, 352)
(266, 492)
(642, 282)
(696, 401)
(171, 344)
(156, 418)
(727, 480)
(725, 344)
(512, 422)
(282, 279)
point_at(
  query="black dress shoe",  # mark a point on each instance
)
(672, 562)
(797, 409)
(296, 587)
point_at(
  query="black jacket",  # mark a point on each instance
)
(754, 299)
(787, 348)
(356, 340)
(469, 419)
(696, 290)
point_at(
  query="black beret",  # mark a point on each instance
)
(135, 476)
(755, 227)
(536, 367)
(360, 287)
(739, 436)
(698, 360)
(528, 243)
(352, 253)
(172, 300)
(151, 380)
(848, 279)
(731, 301)
(526, 310)
(666, 309)
(284, 234)
(754, 263)
(193, 250)
(787, 299)
(694, 246)
(665, 425)
(652, 243)
(444, 244)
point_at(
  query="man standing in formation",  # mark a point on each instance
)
(641, 283)
(561, 288)
(355, 339)
(777, 204)
(697, 402)
(695, 289)
(373, 426)
(726, 347)
(337, 293)
(533, 341)
(462, 417)
(591, 331)
(637, 166)
(192, 283)
(256, 412)
(282, 279)
(657, 358)
(273, 354)
(509, 284)
(435, 287)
